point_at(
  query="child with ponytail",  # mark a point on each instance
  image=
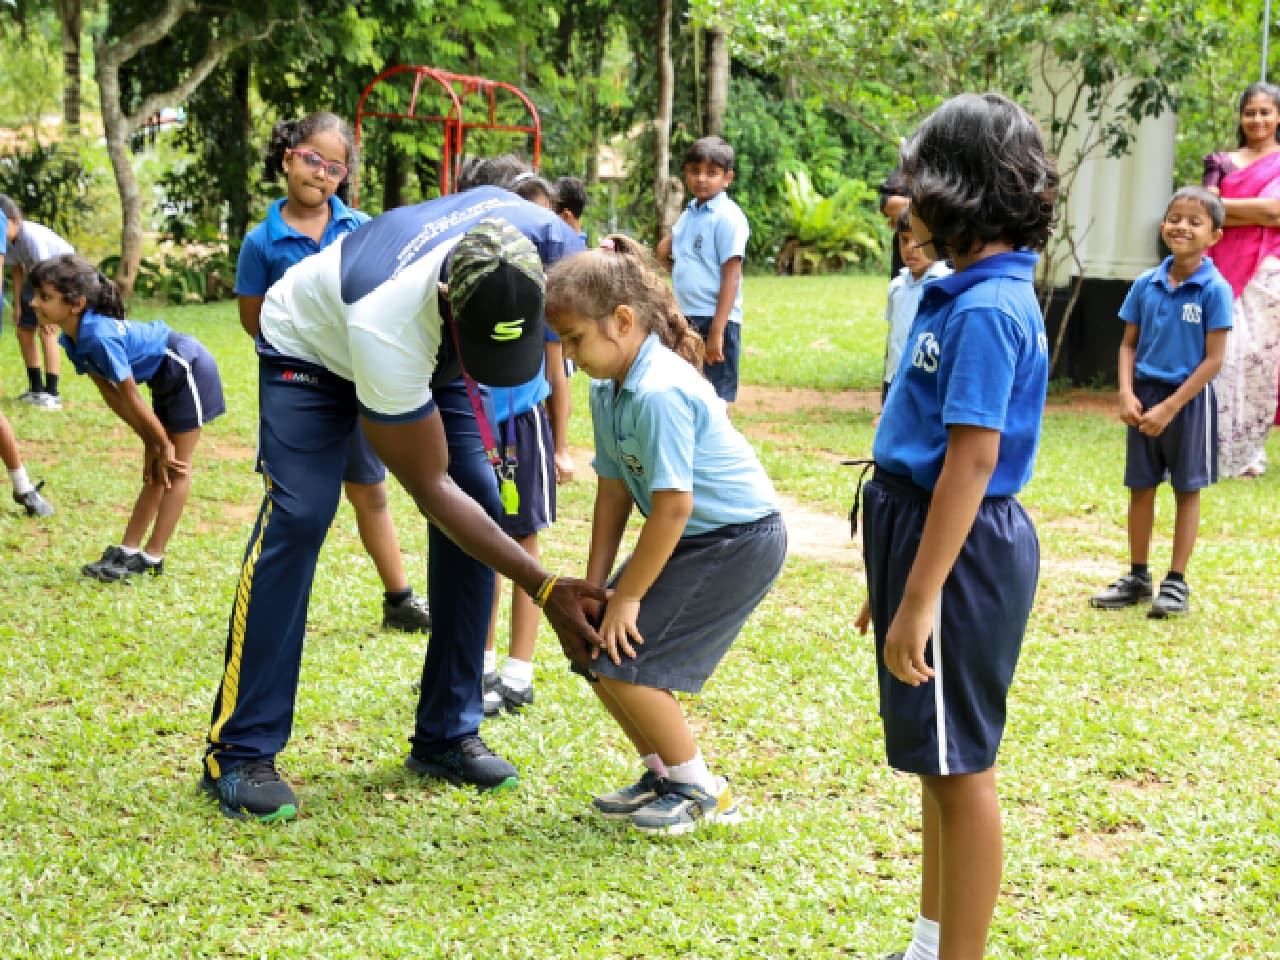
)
(118, 355)
(713, 541)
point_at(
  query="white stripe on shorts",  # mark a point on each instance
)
(1210, 451)
(939, 701)
(191, 385)
(548, 476)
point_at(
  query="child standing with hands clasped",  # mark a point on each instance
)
(1176, 318)
(119, 354)
(952, 558)
(713, 540)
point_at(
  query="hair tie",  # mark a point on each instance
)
(606, 243)
(521, 178)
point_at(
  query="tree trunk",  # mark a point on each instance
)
(70, 13)
(663, 182)
(118, 128)
(239, 201)
(395, 178)
(717, 79)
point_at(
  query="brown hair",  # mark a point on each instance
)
(74, 277)
(622, 272)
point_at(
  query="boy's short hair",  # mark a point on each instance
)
(571, 195)
(1211, 202)
(713, 150)
(979, 174)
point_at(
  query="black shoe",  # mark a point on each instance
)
(468, 762)
(1173, 600)
(412, 616)
(1129, 591)
(500, 697)
(33, 503)
(112, 556)
(252, 791)
(129, 565)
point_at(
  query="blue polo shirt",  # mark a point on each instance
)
(272, 247)
(117, 349)
(4, 247)
(977, 355)
(666, 429)
(1172, 321)
(701, 241)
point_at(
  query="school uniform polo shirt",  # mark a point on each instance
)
(666, 429)
(977, 356)
(701, 241)
(272, 247)
(116, 349)
(1172, 321)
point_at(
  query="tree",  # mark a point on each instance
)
(71, 16)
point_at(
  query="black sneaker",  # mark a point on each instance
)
(468, 762)
(500, 697)
(129, 565)
(252, 791)
(112, 556)
(33, 503)
(412, 616)
(1173, 600)
(1129, 591)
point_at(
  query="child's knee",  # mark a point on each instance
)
(367, 497)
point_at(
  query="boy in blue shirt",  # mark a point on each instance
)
(704, 254)
(1176, 316)
(904, 294)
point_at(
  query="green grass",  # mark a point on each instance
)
(1139, 773)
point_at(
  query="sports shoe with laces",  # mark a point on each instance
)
(252, 791)
(33, 502)
(501, 697)
(1173, 600)
(467, 762)
(680, 807)
(1128, 591)
(35, 398)
(621, 803)
(129, 565)
(111, 555)
(52, 401)
(412, 616)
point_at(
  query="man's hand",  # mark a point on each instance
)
(566, 609)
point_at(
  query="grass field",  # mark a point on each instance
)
(1140, 774)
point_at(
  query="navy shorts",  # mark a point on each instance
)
(696, 608)
(186, 390)
(723, 375)
(535, 474)
(29, 319)
(363, 466)
(953, 723)
(1185, 454)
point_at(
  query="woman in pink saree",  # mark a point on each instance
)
(1248, 179)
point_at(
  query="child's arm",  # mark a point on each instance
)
(1153, 421)
(250, 314)
(730, 279)
(1130, 408)
(160, 462)
(658, 538)
(608, 522)
(663, 253)
(972, 453)
(559, 405)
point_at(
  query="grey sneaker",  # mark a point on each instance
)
(1173, 600)
(500, 697)
(129, 565)
(681, 807)
(252, 791)
(623, 802)
(35, 398)
(468, 762)
(51, 401)
(33, 503)
(1129, 591)
(412, 616)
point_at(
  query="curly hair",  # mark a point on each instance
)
(979, 174)
(621, 272)
(74, 277)
(287, 134)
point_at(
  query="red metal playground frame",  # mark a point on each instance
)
(456, 88)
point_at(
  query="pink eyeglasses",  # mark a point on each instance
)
(313, 160)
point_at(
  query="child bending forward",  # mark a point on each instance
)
(713, 541)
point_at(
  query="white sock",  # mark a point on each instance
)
(694, 771)
(490, 661)
(654, 762)
(517, 674)
(129, 551)
(21, 482)
(924, 945)
(150, 559)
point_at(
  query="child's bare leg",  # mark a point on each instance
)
(970, 855)
(525, 615)
(657, 717)
(52, 351)
(8, 445)
(173, 498)
(1142, 517)
(1186, 527)
(931, 857)
(378, 533)
(27, 347)
(604, 690)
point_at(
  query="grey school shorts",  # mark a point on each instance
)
(699, 603)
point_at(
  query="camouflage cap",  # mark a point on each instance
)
(490, 242)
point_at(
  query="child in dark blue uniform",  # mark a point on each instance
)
(952, 558)
(119, 354)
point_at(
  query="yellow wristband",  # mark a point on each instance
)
(544, 591)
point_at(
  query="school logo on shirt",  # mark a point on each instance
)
(1191, 313)
(925, 354)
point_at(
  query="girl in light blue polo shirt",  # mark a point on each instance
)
(713, 541)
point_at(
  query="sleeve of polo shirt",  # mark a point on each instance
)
(1218, 303)
(252, 268)
(604, 463)
(732, 233)
(980, 352)
(1130, 310)
(666, 431)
